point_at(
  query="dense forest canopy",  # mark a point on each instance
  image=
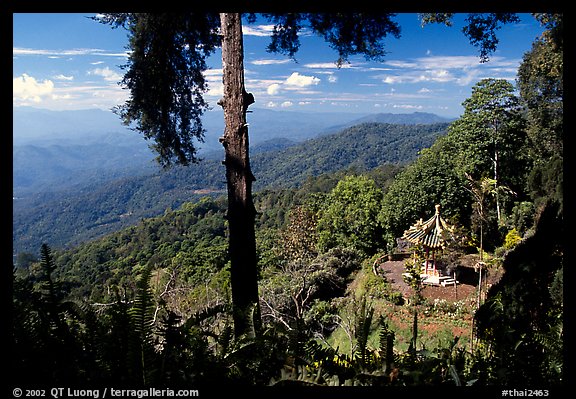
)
(152, 303)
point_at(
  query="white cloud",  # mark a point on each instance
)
(63, 77)
(295, 82)
(301, 80)
(273, 89)
(441, 75)
(448, 62)
(27, 88)
(87, 96)
(469, 77)
(391, 79)
(214, 74)
(215, 89)
(269, 62)
(214, 79)
(286, 104)
(106, 73)
(461, 70)
(407, 106)
(257, 30)
(31, 91)
(377, 69)
(437, 75)
(61, 96)
(327, 65)
(402, 64)
(70, 52)
(332, 79)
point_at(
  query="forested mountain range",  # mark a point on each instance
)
(363, 147)
(414, 118)
(63, 165)
(41, 126)
(57, 150)
(72, 216)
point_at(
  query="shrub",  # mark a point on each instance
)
(512, 239)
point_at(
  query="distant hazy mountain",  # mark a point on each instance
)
(55, 150)
(415, 118)
(101, 207)
(58, 166)
(43, 127)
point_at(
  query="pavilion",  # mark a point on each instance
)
(432, 235)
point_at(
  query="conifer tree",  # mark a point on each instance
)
(166, 83)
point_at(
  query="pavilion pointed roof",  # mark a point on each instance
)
(431, 234)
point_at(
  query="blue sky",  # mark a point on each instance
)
(67, 61)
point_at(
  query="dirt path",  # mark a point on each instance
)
(392, 271)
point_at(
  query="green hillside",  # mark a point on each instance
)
(362, 147)
(71, 217)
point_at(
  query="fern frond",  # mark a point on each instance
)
(386, 346)
(225, 339)
(362, 335)
(48, 267)
(142, 322)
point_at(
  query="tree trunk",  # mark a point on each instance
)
(241, 211)
(496, 185)
(479, 286)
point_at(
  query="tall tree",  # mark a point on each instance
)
(522, 319)
(490, 134)
(541, 86)
(164, 75)
(166, 82)
(239, 177)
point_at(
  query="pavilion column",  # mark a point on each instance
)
(426, 267)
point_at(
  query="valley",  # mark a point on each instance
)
(84, 189)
